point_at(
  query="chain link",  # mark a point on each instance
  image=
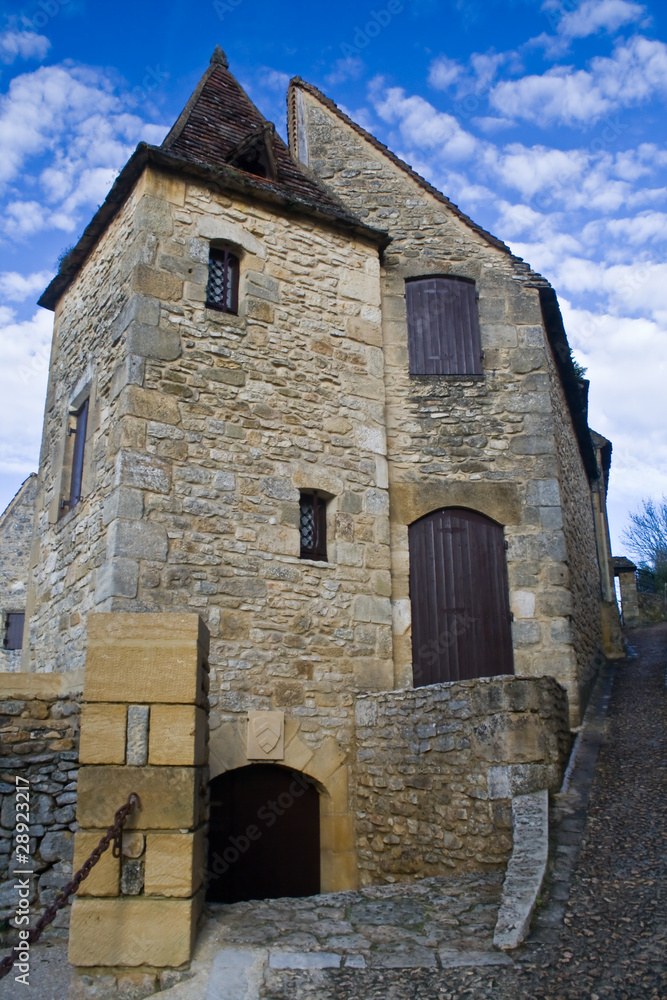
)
(113, 836)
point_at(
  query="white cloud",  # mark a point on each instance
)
(22, 45)
(443, 72)
(350, 68)
(593, 16)
(634, 74)
(420, 124)
(16, 287)
(24, 361)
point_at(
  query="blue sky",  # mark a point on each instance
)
(544, 120)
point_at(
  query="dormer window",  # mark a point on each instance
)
(222, 291)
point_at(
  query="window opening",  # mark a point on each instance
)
(14, 631)
(313, 526)
(222, 291)
(78, 430)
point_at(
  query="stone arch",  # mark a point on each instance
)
(327, 765)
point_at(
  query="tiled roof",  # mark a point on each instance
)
(219, 117)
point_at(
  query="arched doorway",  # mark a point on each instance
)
(461, 621)
(264, 835)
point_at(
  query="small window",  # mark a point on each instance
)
(313, 526)
(443, 326)
(222, 291)
(77, 430)
(14, 631)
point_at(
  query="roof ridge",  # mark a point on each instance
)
(298, 81)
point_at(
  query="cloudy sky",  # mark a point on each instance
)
(542, 119)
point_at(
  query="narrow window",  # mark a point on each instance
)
(313, 526)
(78, 431)
(222, 291)
(14, 631)
(443, 326)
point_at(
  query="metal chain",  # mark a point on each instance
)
(112, 836)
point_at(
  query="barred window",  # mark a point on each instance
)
(313, 526)
(222, 291)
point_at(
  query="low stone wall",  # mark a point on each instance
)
(437, 768)
(39, 739)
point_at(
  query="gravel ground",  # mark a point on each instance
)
(612, 943)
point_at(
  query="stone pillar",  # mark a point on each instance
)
(144, 729)
(626, 571)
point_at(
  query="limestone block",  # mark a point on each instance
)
(104, 878)
(373, 674)
(543, 493)
(154, 215)
(266, 735)
(117, 578)
(498, 335)
(138, 539)
(149, 404)
(261, 285)
(133, 931)
(177, 735)
(372, 609)
(153, 341)
(146, 658)
(514, 738)
(123, 502)
(143, 471)
(102, 734)
(174, 863)
(158, 283)
(326, 760)
(164, 186)
(170, 796)
(522, 603)
(142, 309)
(360, 286)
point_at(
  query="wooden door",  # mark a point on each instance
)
(264, 835)
(461, 622)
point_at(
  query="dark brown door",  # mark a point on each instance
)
(461, 623)
(264, 836)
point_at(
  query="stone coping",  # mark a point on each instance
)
(24, 686)
(526, 869)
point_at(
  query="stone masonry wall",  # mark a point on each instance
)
(437, 768)
(16, 526)
(39, 740)
(584, 621)
(485, 442)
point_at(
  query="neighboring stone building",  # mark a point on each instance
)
(305, 397)
(16, 529)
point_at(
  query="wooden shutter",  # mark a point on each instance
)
(443, 327)
(14, 631)
(460, 598)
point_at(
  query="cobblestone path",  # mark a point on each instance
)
(612, 944)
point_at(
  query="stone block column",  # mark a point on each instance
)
(144, 729)
(626, 571)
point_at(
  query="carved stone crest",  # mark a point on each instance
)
(266, 735)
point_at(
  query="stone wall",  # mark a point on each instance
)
(16, 526)
(437, 768)
(40, 738)
(582, 622)
(486, 442)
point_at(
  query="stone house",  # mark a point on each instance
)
(296, 391)
(16, 530)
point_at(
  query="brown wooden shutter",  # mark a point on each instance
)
(443, 327)
(461, 622)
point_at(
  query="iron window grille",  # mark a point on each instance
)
(14, 631)
(313, 526)
(222, 291)
(79, 432)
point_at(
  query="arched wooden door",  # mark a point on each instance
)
(264, 835)
(461, 622)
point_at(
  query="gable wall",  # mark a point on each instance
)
(491, 443)
(16, 528)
